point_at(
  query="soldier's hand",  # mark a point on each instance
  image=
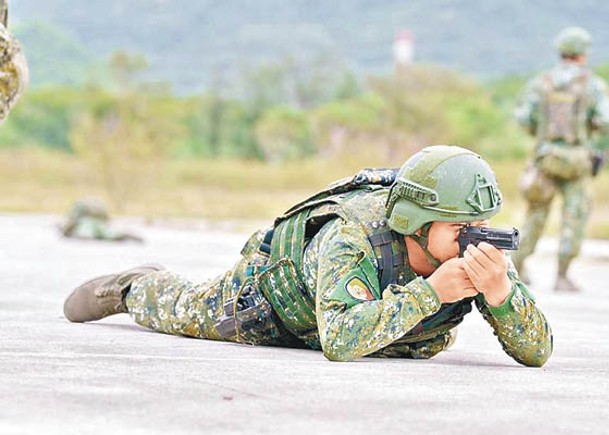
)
(486, 267)
(451, 282)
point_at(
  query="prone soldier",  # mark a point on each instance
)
(88, 219)
(368, 267)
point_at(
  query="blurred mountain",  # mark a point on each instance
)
(192, 44)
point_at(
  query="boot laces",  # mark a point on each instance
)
(107, 291)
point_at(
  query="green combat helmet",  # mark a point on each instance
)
(13, 67)
(573, 41)
(441, 183)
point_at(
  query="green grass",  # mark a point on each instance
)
(35, 180)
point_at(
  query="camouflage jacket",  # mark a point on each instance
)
(529, 112)
(355, 317)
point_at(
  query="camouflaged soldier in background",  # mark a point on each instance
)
(363, 268)
(13, 67)
(563, 108)
(89, 219)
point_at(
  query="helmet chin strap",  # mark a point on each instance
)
(423, 241)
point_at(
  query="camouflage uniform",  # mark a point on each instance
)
(13, 67)
(561, 108)
(326, 290)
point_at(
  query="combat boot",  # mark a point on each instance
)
(104, 295)
(565, 285)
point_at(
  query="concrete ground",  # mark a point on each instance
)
(113, 377)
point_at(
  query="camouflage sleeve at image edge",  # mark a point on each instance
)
(355, 318)
(522, 329)
(13, 72)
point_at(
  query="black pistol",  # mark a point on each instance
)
(500, 239)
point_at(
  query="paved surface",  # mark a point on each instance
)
(113, 377)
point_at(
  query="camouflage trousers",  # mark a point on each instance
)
(167, 302)
(227, 308)
(575, 211)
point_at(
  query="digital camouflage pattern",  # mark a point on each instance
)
(575, 212)
(562, 160)
(168, 303)
(13, 67)
(353, 315)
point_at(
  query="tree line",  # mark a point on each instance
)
(280, 111)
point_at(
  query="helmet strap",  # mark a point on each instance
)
(423, 241)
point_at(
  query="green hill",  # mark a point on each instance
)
(190, 43)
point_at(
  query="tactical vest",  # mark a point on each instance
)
(564, 111)
(282, 283)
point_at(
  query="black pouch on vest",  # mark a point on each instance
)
(247, 318)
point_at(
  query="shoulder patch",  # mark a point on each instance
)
(358, 289)
(357, 286)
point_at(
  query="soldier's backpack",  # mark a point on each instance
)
(564, 110)
(563, 128)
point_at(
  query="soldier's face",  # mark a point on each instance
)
(443, 236)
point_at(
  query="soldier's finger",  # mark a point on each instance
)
(477, 280)
(471, 272)
(481, 258)
(490, 251)
(497, 258)
(469, 292)
(475, 259)
(453, 263)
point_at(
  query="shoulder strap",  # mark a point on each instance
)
(389, 259)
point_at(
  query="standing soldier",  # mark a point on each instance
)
(562, 108)
(13, 68)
